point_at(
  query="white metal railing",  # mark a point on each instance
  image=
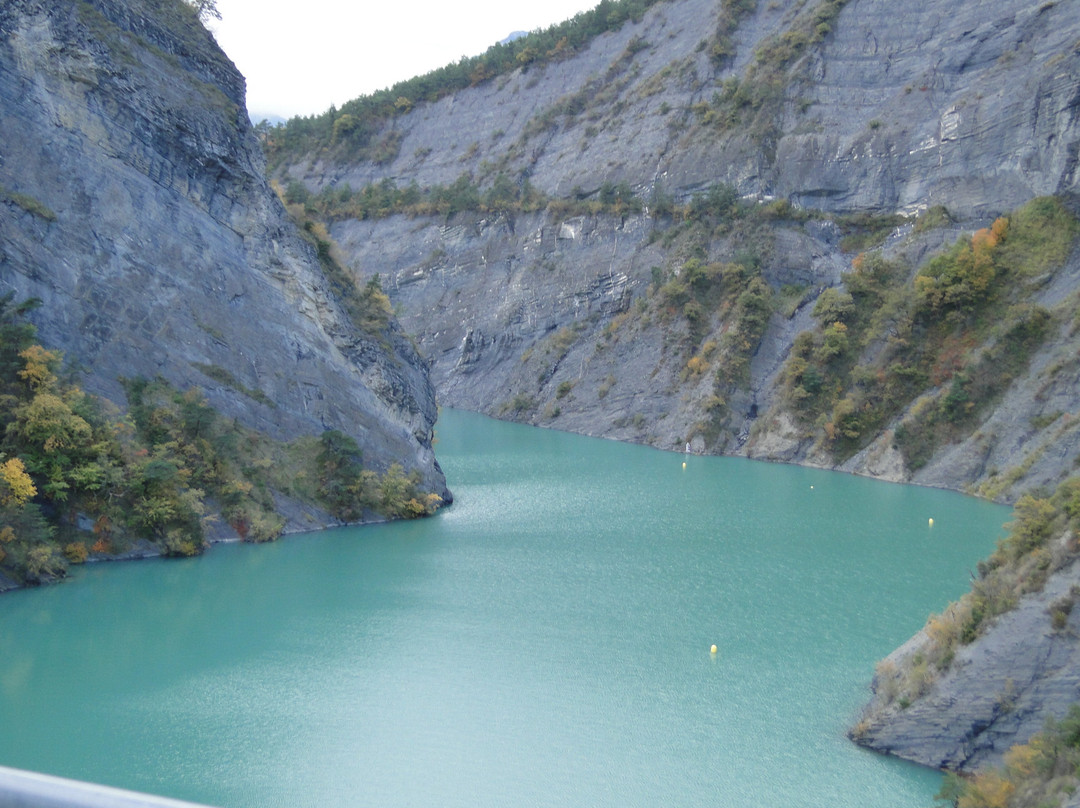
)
(22, 789)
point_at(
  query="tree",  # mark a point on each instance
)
(343, 127)
(39, 368)
(205, 9)
(16, 487)
(834, 306)
(374, 308)
(15, 336)
(340, 467)
(52, 439)
(963, 277)
(43, 562)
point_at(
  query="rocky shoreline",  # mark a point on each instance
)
(996, 693)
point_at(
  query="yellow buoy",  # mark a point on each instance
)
(684, 464)
(712, 650)
(931, 521)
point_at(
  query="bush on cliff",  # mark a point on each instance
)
(68, 459)
(943, 345)
(1043, 537)
(1043, 772)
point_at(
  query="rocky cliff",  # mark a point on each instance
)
(134, 204)
(822, 110)
(965, 104)
(988, 671)
(997, 691)
(682, 193)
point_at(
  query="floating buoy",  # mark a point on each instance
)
(931, 521)
(712, 650)
(811, 488)
(684, 464)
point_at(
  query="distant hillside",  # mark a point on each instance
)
(268, 117)
(512, 36)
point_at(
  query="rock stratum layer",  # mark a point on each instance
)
(134, 204)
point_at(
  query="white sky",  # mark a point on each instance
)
(301, 56)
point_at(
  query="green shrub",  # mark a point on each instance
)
(28, 204)
(223, 376)
(932, 219)
(519, 404)
(834, 306)
(1040, 237)
(76, 553)
(945, 346)
(862, 231)
(1059, 611)
(1041, 772)
(1031, 527)
(561, 342)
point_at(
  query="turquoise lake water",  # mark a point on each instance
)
(543, 642)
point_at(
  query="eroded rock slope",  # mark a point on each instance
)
(833, 109)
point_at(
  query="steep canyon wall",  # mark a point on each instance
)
(134, 204)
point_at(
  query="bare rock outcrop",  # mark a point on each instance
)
(133, 203)
(997, 692)
(973, 106)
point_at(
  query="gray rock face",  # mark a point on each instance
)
(135, 206)
(970, 104)
(997, 692)
(967, 104)
(537, 319)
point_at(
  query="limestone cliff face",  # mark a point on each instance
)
(967, 104)
(510, 308)
(133, 202)
(973, 106)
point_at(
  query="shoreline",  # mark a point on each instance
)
(300, 518)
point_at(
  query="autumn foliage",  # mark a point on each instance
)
(159, 473)
(937, 346)
(1042, 772)
(964, 276)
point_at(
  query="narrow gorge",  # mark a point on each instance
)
(836, 233)
(824, 233)
(597, 179)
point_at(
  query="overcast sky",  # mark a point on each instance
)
(301, 56)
